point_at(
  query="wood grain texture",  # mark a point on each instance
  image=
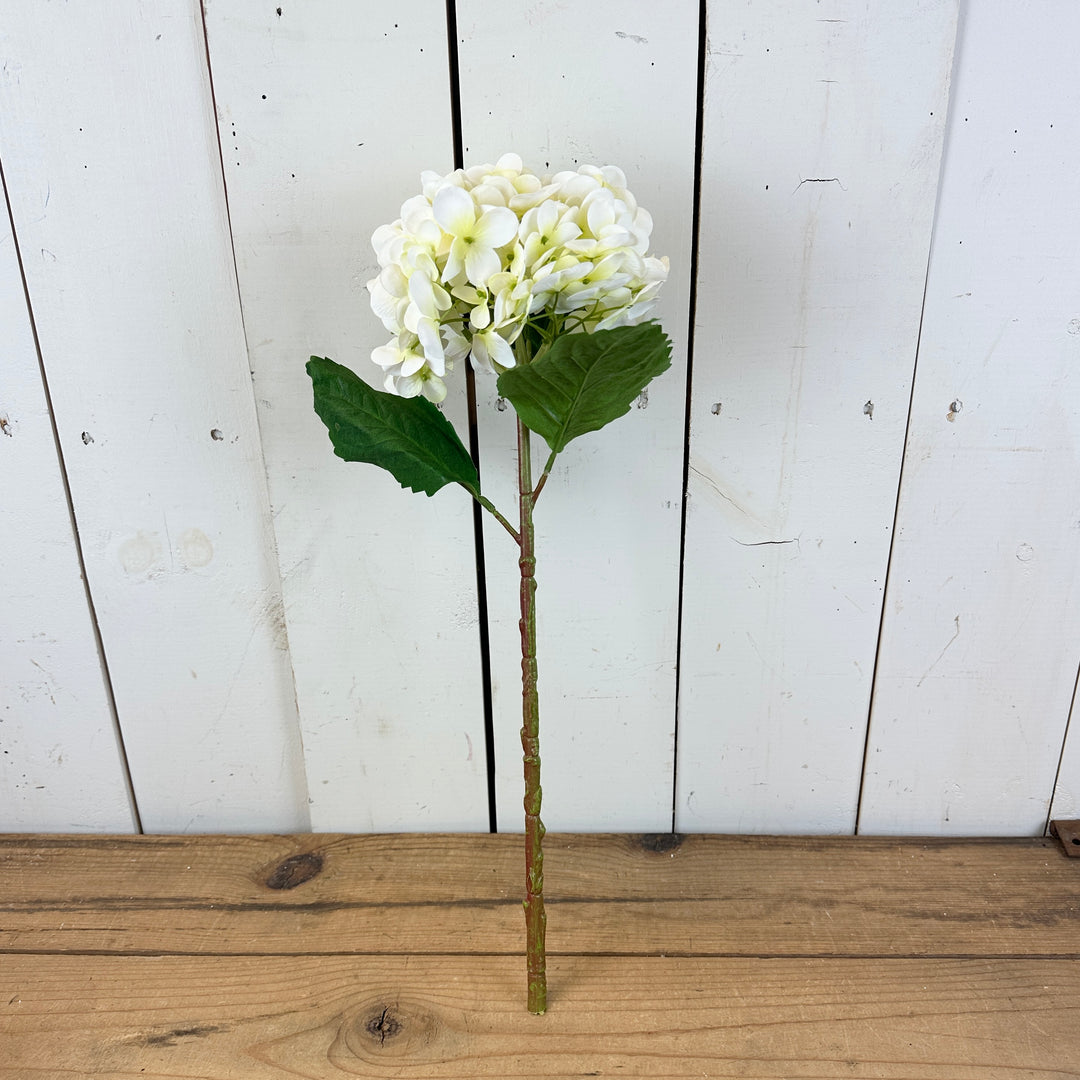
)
(981, 638)
(822, 137)
(592, 84)
(273, 1018)
(112, 166)
(379, 583)
(811, 1008)
(60, 764)
(645, 895)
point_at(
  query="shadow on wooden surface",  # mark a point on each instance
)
(328, 956)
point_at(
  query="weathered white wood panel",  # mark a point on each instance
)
(982, 629)
(328, 113)
(1066, 797)
(809, 300)
(60, 766)
(822, 138)
(108, 142)
(568, 85)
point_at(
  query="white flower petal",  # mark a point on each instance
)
(498, 349)
(412, 363)
(480, 264)
(614, 176)
(497, 226)
(410, 386)
(601, 212)
(455, 210)
(494, 191)
(480, 317)
(431, 343)
(455, 345)
(386, 306)
(422, 295)
(414, 212)
(455, 260)
(434, 389)
(467, 294)
(386, 356)
(480, 359)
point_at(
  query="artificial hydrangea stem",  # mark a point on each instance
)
(539, 487)
(543, 479)
(487, 505)
(535, 918)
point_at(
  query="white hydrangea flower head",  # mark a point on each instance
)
(484, 254)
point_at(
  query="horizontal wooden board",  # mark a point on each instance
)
(609, 894)
(264, 1018)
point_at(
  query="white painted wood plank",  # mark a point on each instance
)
(982, 630)
(1065, 804)
(108, 141)
(60, 765)
(328, 114)
(568, 85)
(822, 139)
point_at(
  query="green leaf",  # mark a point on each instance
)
(408, 437)
(585, 381)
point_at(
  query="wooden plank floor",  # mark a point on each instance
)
(326, 956)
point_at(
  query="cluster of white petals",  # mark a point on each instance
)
(485, 252)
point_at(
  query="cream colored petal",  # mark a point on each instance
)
(480, 263)
(434, 389)
(455, 210)
(496, 226)
(412, 363)
(480, 317)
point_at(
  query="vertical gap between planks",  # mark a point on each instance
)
(247, 356)
(474, 451)
(889, 561)
(907, 429)
(1061, 755)
(99, 643)
(691, 320)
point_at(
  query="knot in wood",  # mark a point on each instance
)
(295, 870)
(383, 1025)
(405, 1032)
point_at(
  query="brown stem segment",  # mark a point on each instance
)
(535, 917)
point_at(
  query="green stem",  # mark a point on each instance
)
(535, 917)
(543, 479)
(490, 508)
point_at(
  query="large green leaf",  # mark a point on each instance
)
(585, 381)
(408, 437)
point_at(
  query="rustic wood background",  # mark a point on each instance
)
(823, 580)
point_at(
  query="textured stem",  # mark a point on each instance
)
(543, 479)
(489, 507)
(535, 917)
